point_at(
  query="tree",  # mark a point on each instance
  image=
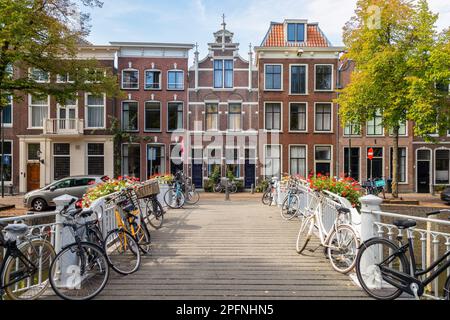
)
(393, 44)
(46, 34)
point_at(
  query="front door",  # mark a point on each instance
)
(197, 174)
(249, 169)
(33, 176)
(423, 176)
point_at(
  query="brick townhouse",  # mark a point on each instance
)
(223, 112)
(154, 77)
(46, 141)
(297, 79)
(422, 165)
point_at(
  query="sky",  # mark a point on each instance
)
(191, 21)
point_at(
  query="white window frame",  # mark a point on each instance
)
(121, 157)
(183, 127)
(296, 22)
(184, 79)
(61, 106)
(87, 155)
(306, 158)
(12, 160)
(57, 156)
(306, 116)
(391, 134)
(160, 79)
(206, 158)
(30, 75)
(29, 112)
(406, 164)
(146, 156)
(265, 72)
(97, 70)
(160, 116)
(218, 117)
(383, 160)
(434, 165)
(281, 116)
(361, 156)
(228, 116)
(10, 124)
(122, 79)
(352, 135)
(306, 80)
(374, 135)
(331, 118)
(223, 74)
(238, 159)
(86, 113)
(324, 161)
(121, 115)
(430, 169)
(332, 77)
(265, 157)
(58, 79)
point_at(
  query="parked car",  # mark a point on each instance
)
(445, 195)
(75, 186)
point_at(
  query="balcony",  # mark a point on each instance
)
(64, 127)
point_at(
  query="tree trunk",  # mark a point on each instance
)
(395, 164)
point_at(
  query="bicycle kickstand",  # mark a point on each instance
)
(314, 250)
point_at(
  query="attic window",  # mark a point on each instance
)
(296, 32)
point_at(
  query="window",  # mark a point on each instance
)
(96, 158)
(152, 79)
(272, 163)
(352, 130)
(375, 125)
(223, 73)
(95, 105)
(297, 117)
(83, 182)
(156, 160)
(214, 159)
(95, 75)
(7, 161)
(65, 78)
(61, 160)
(323, 117)
(322, 157)
(130, 79)
(175, 116)
(39, 75)
(401, 129)
(351, 163)
(296, 32)
(33, 149)
(176, 158)
(232, 161)
(131, 160)
(273, 116)
(234, 117)
(401, 165)
(7, 112)
(298, 79)
(442, 166)
(375, 167)
(38, 110)
(324, 77)
(152, 116)
(66, 183)
(9, 70)
(130, 116)
(272, 77)
(297, 160)
(212, 116)
(175, 80)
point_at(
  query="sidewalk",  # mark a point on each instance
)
(16, 201)
(424, 199)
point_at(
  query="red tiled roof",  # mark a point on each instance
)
(276, 37)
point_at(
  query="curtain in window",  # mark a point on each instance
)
(298, 117)
(273, 161)
(95, 117)
(298, 160)
(323, 117)
(212, 117)
(323, 77)
(234, 117)
(38, 114)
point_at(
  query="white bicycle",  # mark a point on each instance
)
(341, 242)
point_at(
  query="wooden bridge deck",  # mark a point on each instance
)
(230, 250)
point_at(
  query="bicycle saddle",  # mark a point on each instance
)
(405, 224)
(17, 228)
(343, 210)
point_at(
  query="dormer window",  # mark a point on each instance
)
(296, 32)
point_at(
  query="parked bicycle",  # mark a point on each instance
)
(154, 211)
(223, 186)
(341, 242)
(191, 195)
(375, 187)
(174, 197)
(80, 270)
(270, 193)
(385, 272)
(291, 203)
(26, 263)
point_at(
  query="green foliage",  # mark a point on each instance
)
(262, 186)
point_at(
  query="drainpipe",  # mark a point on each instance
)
(196, 53)
(250, 67)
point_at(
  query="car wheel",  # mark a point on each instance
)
(39, 205)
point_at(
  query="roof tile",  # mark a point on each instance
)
(276, 37)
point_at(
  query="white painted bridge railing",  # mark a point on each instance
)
(429, 242)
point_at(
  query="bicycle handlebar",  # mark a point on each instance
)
(438, 212)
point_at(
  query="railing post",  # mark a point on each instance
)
(370, 203)
(60, 238)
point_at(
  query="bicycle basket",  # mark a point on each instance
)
(148, 188)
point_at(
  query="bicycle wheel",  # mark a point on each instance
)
(192, 197)
(233, 188)
(218, 188)
(143, 238)
(343, 248)
(122, 251)
(447, 289)
(304, 234)
(79, 271)
(371, 254)
(290, 207)
(267, 198)
(41, 254)
(155, 214)
(174, 199)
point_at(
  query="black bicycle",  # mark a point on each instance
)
(25, 266)
(384, 271)
(80, 270)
